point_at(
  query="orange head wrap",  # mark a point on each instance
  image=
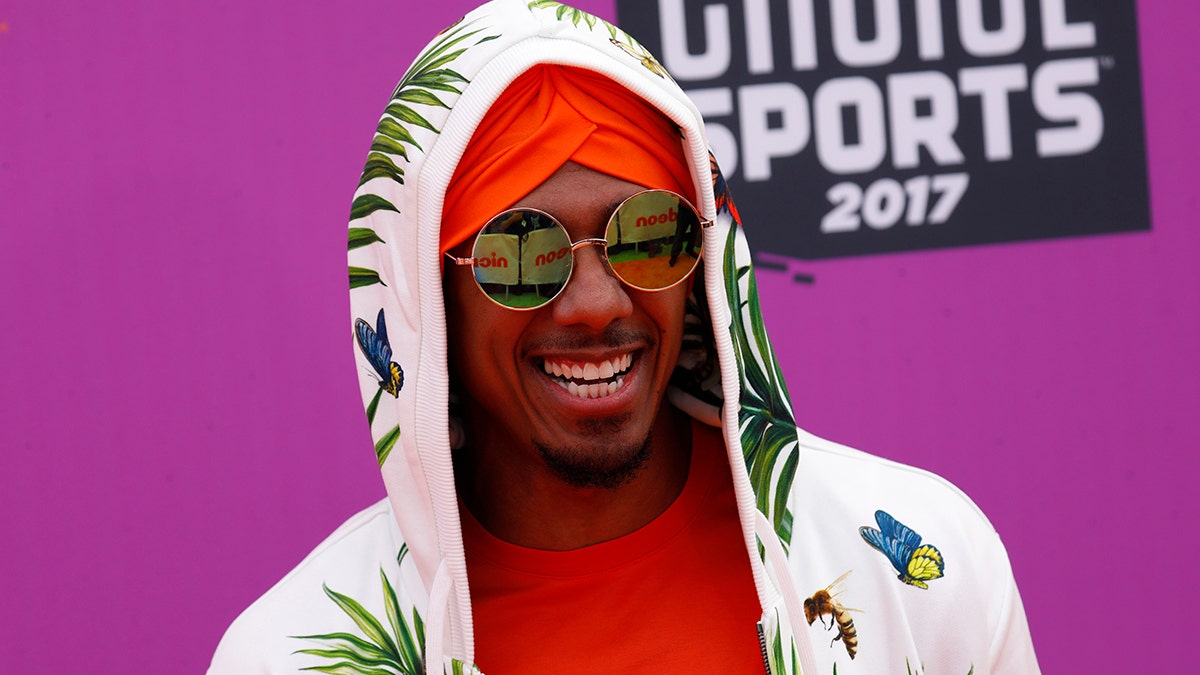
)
(547, 116)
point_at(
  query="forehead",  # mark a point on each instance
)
(582, 199)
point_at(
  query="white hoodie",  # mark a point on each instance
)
(388, 591)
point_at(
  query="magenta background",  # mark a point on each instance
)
(180, 415)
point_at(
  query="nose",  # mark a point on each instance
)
(593, 297)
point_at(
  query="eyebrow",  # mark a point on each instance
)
(611, 207)
(610, 210)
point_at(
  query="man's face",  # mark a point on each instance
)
(573, 387)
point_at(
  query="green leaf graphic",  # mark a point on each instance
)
(393, 136)
(365, 621)
(420, 96)
(380, 166)
(365, 205)
(393, 130)
(407, 115)
(388, 145)
(361, 276)
(574, 15)
(385, 444)
(436, 55)
(768, 429)
(372, 406)
(380, 653)
(410, 651)
(363, 236)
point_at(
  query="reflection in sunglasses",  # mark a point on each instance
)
(523, 258)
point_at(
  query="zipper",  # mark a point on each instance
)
(762, 644)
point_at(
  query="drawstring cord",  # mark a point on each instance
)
(435, 628)
(791, 598)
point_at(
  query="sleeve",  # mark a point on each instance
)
(1011, 650)
(243, 652)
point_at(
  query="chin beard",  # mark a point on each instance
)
(601, 464)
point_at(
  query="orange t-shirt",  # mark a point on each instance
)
(675, 596)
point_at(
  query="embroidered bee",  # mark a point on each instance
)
(825, 602)
(374, 345)
(644, 56)
(916, 563)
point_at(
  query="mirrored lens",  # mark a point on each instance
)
(654, 240)
(522, 258)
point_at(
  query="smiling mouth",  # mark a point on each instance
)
(587, 379)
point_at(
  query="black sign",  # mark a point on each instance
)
(847, 127)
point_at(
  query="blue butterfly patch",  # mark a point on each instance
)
(374, 345)
(915, 563)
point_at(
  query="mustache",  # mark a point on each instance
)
(612, 337)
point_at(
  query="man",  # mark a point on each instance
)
(591, 460)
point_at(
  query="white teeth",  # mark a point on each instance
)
(593, 390)
(600, 379)
(602, 370)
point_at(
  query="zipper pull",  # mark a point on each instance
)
(762, 644)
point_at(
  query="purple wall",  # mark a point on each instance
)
(180, 416)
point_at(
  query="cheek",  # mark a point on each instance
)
(481, 336)
(666, 309)
(463, 321)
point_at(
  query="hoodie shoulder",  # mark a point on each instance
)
(866, 503)
(843, 468)
(926, 562)
(267, 635)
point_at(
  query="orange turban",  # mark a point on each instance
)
(547, 116)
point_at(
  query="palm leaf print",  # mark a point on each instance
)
(575, 16)
(778, 662)
(616, 35)
(421, 86)
(376, 650)
(367, 204)
(383, 447)
(361, 276)
(363, 236)
(768, 429)
(781, 657)
(561, 10)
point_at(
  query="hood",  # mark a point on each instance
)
(727, 374)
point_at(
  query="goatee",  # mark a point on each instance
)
(599, 464)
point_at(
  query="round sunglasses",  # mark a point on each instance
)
(523, 258)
